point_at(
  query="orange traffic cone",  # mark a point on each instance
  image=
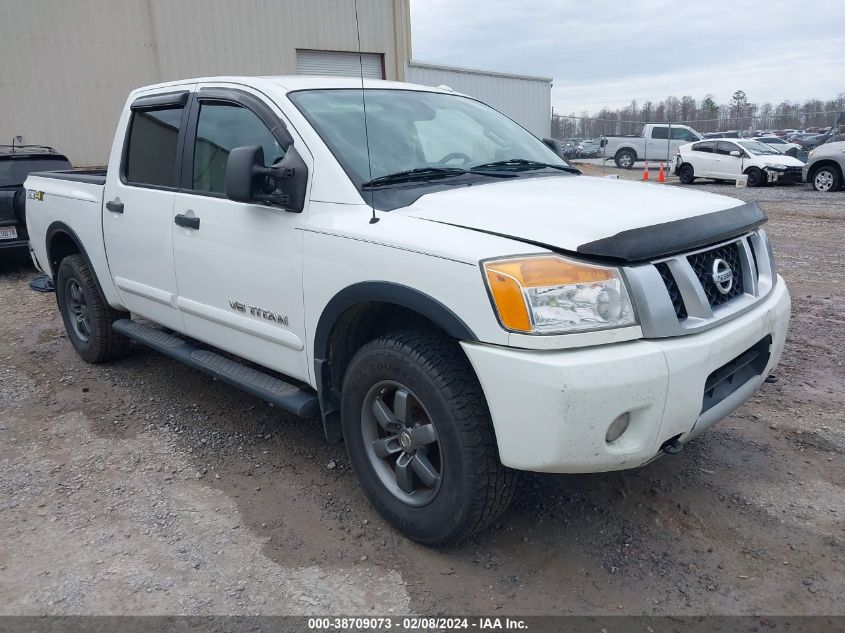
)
(661, 177)
(645, 172)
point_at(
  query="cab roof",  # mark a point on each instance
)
(291, 83)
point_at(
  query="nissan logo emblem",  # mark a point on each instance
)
(722, 275)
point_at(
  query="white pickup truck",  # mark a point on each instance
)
(659, 141)
(439, 287)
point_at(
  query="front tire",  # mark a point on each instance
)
(756, 177)
(419, 436)
(826, 179)
(87, 316)
(686, 174)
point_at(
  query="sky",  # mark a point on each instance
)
(604, 54)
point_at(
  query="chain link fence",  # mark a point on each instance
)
(585, 137)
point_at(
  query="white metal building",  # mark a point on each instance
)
(67, 66)
(525, 99)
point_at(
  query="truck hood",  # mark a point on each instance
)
(568, 212)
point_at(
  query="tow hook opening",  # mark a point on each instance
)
(672, 446)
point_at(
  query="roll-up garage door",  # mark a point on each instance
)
(339, 64)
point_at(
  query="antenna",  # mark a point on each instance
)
(373, 219)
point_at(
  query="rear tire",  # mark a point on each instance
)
(87, 316)
(625, 159)
(686, 174)
(419, 436)
(826, 178)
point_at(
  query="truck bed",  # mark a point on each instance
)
(72, 200)
(89, 176)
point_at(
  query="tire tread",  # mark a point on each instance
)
(492, 484)
(107, 344)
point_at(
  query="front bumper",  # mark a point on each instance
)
(551, 409)
(791, 175)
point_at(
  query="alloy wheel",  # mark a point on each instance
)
(78, 307)
(401, 443)
(823, 180)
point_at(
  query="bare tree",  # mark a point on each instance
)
(673, 109)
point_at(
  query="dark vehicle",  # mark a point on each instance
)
(809, 143)
(588, 149)
(570, 149)
(16, 163)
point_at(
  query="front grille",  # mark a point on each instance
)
(677, 295)
(702, 266)
(672, 288)
(754, 256)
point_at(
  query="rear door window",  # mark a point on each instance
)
(151, 150)
(724, 148)
(660, 132)
(708, 147)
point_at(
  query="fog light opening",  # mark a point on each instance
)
(617, 427)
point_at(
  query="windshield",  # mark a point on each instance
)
(13, 171)
(411, 129)
(772, 141)
(758, 148)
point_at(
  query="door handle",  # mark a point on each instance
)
(114, 206)
(187, 221)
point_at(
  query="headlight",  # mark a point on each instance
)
(777, 166)
(557, 295)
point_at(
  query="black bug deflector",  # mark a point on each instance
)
(668, 238)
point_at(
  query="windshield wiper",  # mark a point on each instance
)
(412, 175)
(522, 164)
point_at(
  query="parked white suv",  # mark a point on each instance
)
(434, 283)
(825, 166)
(728, 159)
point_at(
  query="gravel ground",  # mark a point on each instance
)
(144, 487)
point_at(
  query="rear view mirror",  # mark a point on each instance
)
(283, 184)
(736, 153)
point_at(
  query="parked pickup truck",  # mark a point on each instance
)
(438, 287)
(657, 142)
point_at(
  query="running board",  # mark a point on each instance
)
(269, 388)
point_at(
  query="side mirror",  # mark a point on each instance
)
(242, 172)
(282, 184)
(736, 153)
(554, 145)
